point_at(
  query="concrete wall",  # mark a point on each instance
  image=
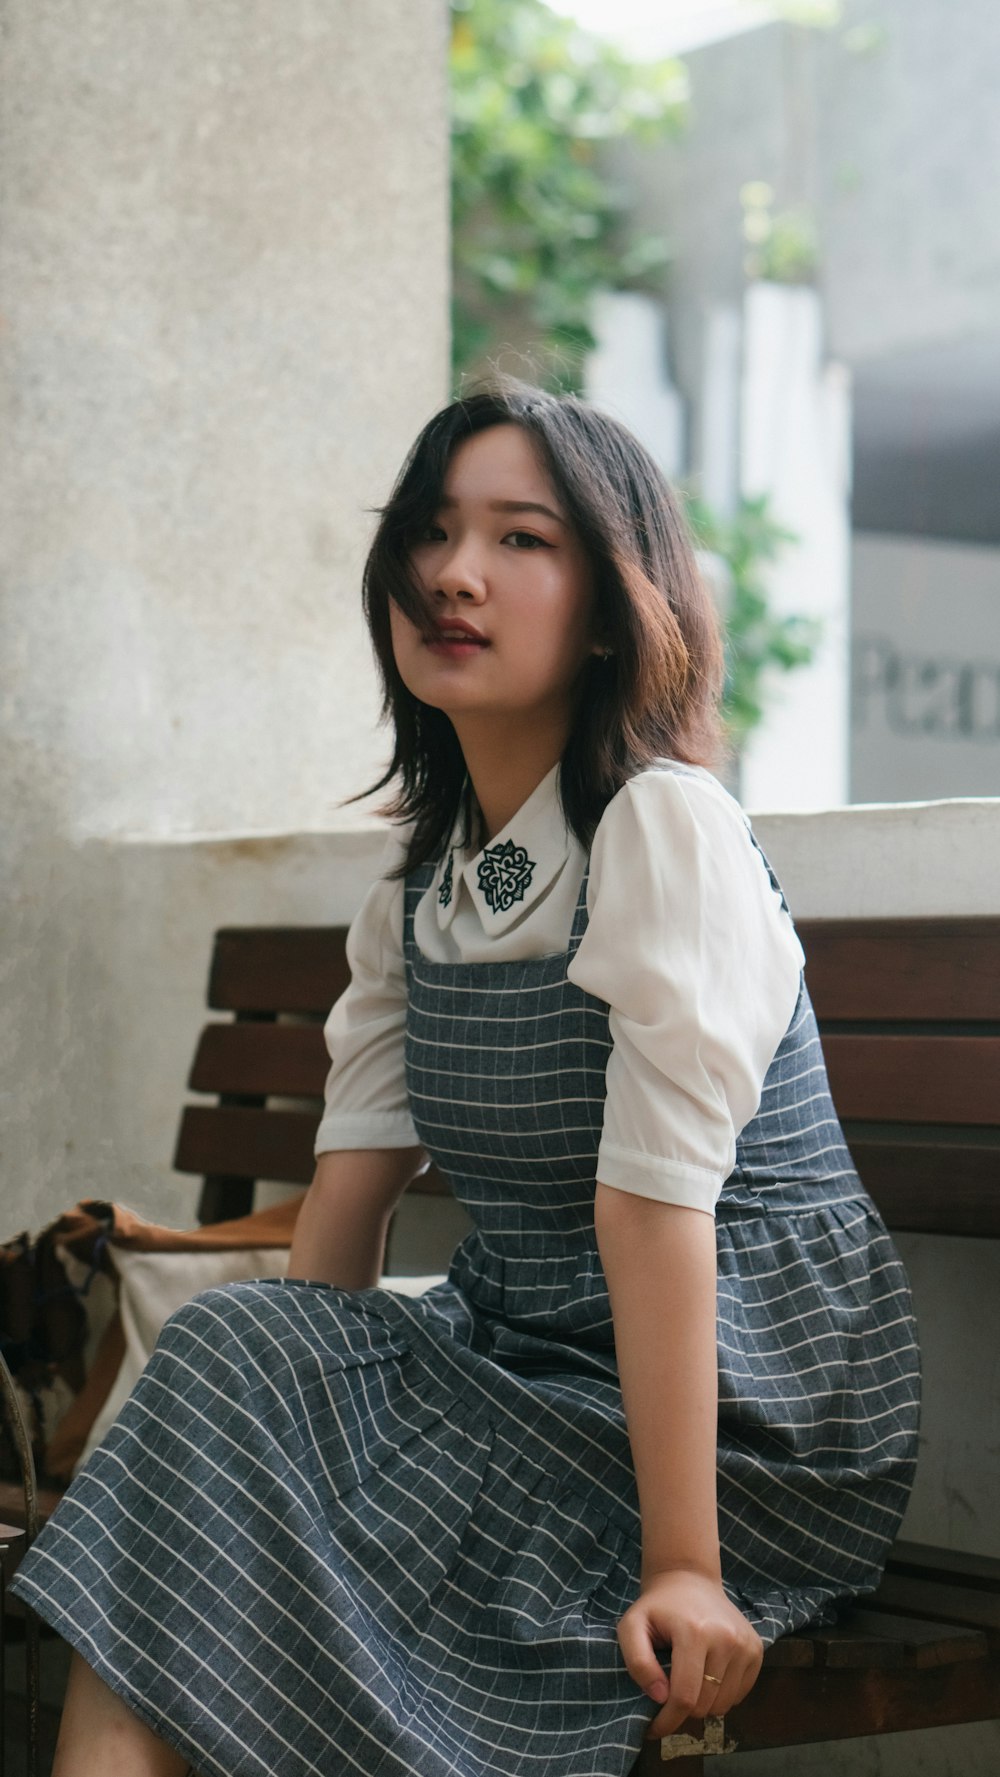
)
(223, 260)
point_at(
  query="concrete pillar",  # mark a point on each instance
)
(796, 449)
(719, 453)
(628, 374)
(223, 260)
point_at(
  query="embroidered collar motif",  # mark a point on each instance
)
(444, 892)
(505, 871)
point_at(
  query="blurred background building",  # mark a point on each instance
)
(832, 307)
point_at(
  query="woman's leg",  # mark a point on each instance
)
(100, 1737)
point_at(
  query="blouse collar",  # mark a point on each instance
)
(506, 877)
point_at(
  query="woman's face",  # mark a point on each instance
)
(508, 589)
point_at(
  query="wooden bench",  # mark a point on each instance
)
(910, 1015)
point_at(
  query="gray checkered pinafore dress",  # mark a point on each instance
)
(359, 1533)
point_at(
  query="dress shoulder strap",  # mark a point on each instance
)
(414, 885)
(580, 915)
(775, 884)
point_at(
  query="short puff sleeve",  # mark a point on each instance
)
(690, 946)
(367, 1104)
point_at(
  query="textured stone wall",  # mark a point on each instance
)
(223, 263)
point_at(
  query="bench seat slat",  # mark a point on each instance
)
(982, 1571)
(922, 969)
(846, 1648)
(800, 1707)
(791, 1708)
(915, 1079)
(791, 1650)
(941, 1600)
(870, 1637)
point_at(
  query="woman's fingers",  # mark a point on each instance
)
(708, 1697)
(748, 1671)
(737, 1666)
(719, 1699)
(692, 1690)
(715, 1654)
(689, 1694)
(686, 1691)
(638, 1651)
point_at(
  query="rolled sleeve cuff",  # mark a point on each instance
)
(669, 1181)
(378, 1129)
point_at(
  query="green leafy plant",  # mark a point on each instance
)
(538, 224)
(756, 638)
(782, 245)
(819, 15)
(538, 227)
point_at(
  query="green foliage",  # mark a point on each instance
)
(819, 15)
(756, 639)
(867, 39)
(538, 225)
(781, 244)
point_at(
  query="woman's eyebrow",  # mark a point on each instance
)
(447, 501)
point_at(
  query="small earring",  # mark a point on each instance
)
(604, 653)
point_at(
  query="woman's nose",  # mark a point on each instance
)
(460, 576)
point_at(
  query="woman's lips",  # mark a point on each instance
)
(456, 641)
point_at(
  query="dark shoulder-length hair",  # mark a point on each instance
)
(655, 695)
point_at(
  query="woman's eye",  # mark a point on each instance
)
(526, 540)
(429, 533)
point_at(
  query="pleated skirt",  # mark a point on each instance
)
(332, 1532)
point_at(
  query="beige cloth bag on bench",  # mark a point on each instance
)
(153, 1270)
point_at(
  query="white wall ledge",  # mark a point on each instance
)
(866, 860)
(887, 859)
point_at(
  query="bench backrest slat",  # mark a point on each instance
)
(920, 969)
(279, 969)
(915, 1079)
(289, 1060)
(243, 1142)
(909, 1013)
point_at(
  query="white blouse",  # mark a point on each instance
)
(687, 943)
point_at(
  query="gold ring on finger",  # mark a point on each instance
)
(709, 1679)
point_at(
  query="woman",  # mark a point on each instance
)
(664, 1408)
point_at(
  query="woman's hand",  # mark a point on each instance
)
(688, 1612)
